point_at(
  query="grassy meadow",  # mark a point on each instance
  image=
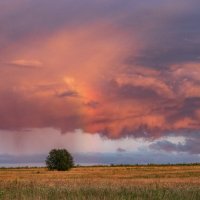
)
(101, 183)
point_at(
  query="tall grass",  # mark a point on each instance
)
(102, 183)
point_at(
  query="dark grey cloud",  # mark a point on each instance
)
(121, 150)
(130, 91)
(33, 18)
(186, 108)
(172, 37)
(191, 146)
(92, 104)
(160, 58)
(68, 93)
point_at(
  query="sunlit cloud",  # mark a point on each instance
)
(116, 69)
(25, 63)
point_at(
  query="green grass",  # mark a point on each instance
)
(19, 191)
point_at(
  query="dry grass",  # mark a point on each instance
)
(137, 182)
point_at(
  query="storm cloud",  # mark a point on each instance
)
(191, 145)
(117, 68)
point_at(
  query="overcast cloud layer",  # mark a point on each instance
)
(115, 68)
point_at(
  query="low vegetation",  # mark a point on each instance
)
(119, 182)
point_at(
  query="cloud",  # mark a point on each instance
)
(191, 146)
(68, 93)
(36, 112)
(121, 150)
(26, 63)
(92, 104)
(133, 67)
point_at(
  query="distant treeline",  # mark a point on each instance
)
(142, 165)
(24, 167)
(153, 164)
(112, 165)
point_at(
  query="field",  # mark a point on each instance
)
(126, 182)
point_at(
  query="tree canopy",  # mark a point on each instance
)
(59, 159)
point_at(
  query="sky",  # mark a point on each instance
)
(113, 81)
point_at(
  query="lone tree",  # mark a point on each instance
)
(59, 159)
